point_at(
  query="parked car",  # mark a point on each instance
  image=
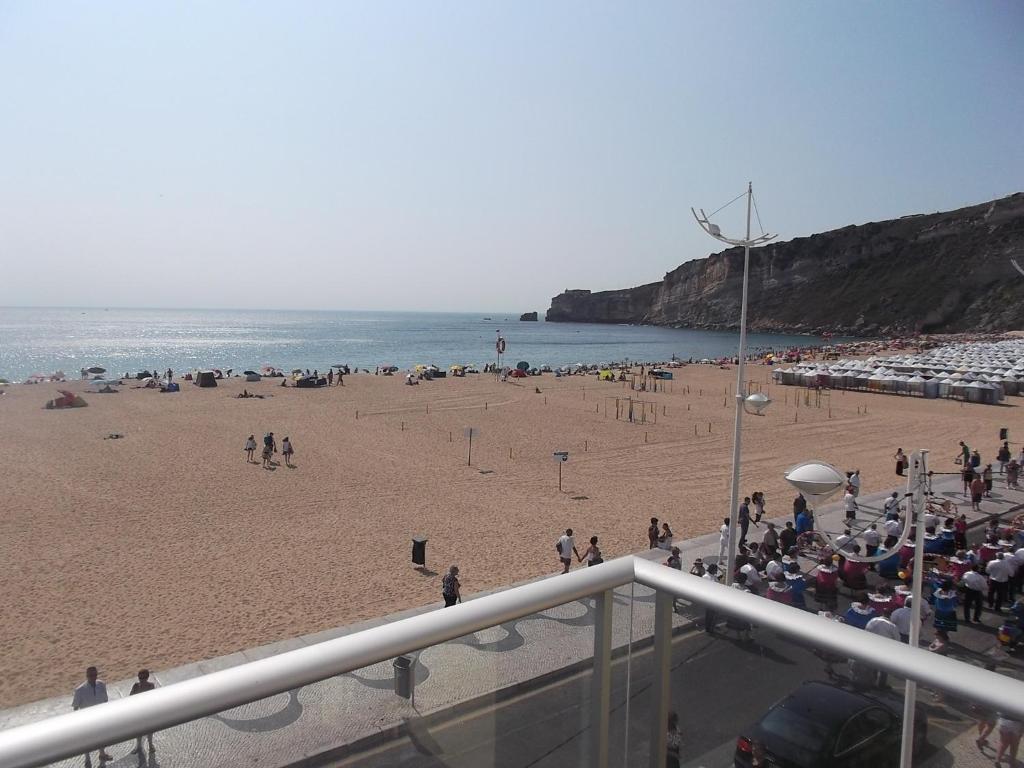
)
(821, 725)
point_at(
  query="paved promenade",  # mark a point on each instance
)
(487, 667)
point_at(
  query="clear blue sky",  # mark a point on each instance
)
(344, 155)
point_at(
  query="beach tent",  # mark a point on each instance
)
(205, 379)
(606, 375)
(310, 382)
(522, 365)
(252, 376)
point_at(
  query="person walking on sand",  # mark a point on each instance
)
(90, 693)
(652, 534)
(141, 686)
(287, 451)
(593, 553)
(901, 461)
(566, 547)
(330, 377)
(269, 449)
(965, 455)
(451, 587)
(250, 449)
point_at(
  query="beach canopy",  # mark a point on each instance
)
(522, 365)
(96, 369)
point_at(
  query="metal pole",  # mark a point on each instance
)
(660, 688)
(601, 680)
(738, 429)
(469, 458)
(918, 472)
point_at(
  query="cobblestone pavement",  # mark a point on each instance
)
(361, 706)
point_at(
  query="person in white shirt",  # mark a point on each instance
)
(850, 504)
(893, 529)
(566, 549)
(872, 540)
(892, 506)
(882, 627)
(774, 570)
(975, 586)
(855, 482)
(843, 543)
(753, 578)
(723, 541)
(901, 619)
(90, 693)
(999, 573)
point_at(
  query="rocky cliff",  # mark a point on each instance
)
(942, 272)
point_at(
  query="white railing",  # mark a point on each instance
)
(72, 734)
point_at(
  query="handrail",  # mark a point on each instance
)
(73, 733)
(980, 686)
(70, 734)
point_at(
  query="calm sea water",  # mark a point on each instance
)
(128, 340)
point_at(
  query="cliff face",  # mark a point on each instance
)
(942, 272)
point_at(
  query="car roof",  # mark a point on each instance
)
(821, 699)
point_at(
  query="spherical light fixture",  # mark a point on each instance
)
(756, 403)
(815, 478)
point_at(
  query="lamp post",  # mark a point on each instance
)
(713, 229)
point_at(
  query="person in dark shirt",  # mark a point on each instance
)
(744, 519)
(142, 685)
(787, 538)
(799, 505)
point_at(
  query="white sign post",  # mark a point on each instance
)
(561, 457)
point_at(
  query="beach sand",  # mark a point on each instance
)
(166, 547)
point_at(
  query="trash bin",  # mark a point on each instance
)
(403, 676)
(419, 550)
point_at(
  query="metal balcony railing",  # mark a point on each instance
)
(72, 734)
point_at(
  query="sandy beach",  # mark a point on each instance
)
(165, 546)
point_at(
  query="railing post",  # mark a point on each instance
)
(663, 604)
(601, 680)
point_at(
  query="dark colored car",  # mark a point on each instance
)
(824, 725)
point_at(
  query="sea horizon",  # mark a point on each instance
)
(43, 340)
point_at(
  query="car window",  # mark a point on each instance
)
(861, 728)
(794, 728)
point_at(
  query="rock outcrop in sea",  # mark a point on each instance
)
(941, 272)
(528, 316)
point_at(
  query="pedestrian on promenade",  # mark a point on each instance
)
(652, 534)
(593, 553)
(901, 618)
(967, 475)
(250, 449)
(975, 459)
(883, 627)
(770, 542)
(964, 456)
(901, 461)
(723, 540)
(1012, 473)
(975, 586)
(665, 538)
(893, 530)
(566, 547)
(787, 538)
(805, 522)
(757, 499)
(945, 608)
(986, 476)
(999, 573)
(1003, 457)
(799, 505)
(977, 492)
(1009, 739)
(743, 518)
(675, 561)
(142, 685)
(960, 532)
(287, 451)
(673, 741)
(850, 503)
(892, 506)
(451, 587)
(697, 569)
(855, 482)
(90, 693)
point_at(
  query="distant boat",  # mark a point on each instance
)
(487, 318)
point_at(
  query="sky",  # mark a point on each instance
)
(472, 156)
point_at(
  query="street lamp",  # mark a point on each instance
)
(715, 231)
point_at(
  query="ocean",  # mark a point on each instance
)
(129, 340)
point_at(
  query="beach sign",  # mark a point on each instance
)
(469, 433)
(561, 457)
